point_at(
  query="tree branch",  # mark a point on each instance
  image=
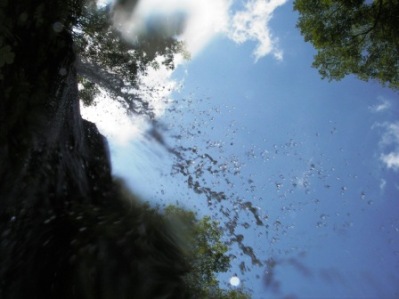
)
(114, 86)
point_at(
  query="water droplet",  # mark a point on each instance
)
(62, 71)
(58, 26)
(235, 281)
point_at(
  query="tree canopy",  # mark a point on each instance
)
(108, 60)
(353, 37)
(205, 251)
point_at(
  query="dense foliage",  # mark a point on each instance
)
(205, 251)
(353, 37)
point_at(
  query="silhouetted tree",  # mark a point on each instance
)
(108, 60)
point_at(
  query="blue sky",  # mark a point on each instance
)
(318, 160)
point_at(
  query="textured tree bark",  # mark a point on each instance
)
(44, 140)
(65, 232)
(50, 158)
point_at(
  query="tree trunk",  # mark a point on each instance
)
(67, 229)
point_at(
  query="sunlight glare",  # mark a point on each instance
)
(235, 281)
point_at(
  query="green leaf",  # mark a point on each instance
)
(352, 37)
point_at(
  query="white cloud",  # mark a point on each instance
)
(252, 24)
(391, 134)
(383, 105)
(383, 183)
(390, 140)
(391, 160)
(208, 18)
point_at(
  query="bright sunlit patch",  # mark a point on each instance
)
(156, 87)
(102, 3)
(112, 120)
(235, 281)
